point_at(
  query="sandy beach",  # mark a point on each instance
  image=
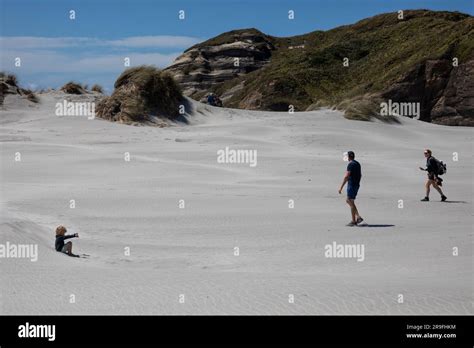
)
(184, 260)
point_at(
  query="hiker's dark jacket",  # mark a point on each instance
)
(60, 241)
(431, 165)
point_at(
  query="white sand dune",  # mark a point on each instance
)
(190, 251)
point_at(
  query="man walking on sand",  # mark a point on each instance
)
(352, 178)
(432, 168)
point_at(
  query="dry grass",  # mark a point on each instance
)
(9, 79)
(141, 92)
(9, 85)
(30, 95)
(364, 108)
(73, 88)
(97, 88)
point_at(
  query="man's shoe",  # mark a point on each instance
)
(352, 223)
(359, 220)
(443, 198)
(426, 199)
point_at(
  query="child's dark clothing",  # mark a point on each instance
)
(59, 244)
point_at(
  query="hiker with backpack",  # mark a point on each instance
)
(218, 101)
(211, 99)
(435, 168)
(214, 100)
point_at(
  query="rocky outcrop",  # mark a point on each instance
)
(223, 58)
(455, 106)
(445, 92)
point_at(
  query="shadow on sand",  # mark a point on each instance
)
(373, 225)
(463, 202)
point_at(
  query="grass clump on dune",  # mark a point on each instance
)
(30, 95)
(9, 79)
(364, 108)
(73, 88)
(9, 85)
(141, 93)
(97, 88)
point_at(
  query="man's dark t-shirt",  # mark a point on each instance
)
(356, 174)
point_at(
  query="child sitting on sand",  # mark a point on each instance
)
(61, 237)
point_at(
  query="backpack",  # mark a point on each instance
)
(441, 167)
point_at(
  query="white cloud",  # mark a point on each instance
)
(155, 41)
(29, 42)
(115, 62)
(46, 61)
(33, 42)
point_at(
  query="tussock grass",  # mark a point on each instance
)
(30, 95)
(364, 108)
(141, 92)
(9, 79)
(9, 85)
(97, 88)
(73, 88)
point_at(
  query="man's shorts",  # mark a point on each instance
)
(352, 191)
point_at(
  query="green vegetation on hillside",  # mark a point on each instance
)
(381, 50)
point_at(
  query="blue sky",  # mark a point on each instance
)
(91, 49)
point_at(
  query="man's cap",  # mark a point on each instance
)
(350, 154)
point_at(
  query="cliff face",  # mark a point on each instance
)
(445, 92)
(455, 107)
(223, 58)
(405, 60)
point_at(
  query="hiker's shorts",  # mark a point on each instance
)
(352, 191)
